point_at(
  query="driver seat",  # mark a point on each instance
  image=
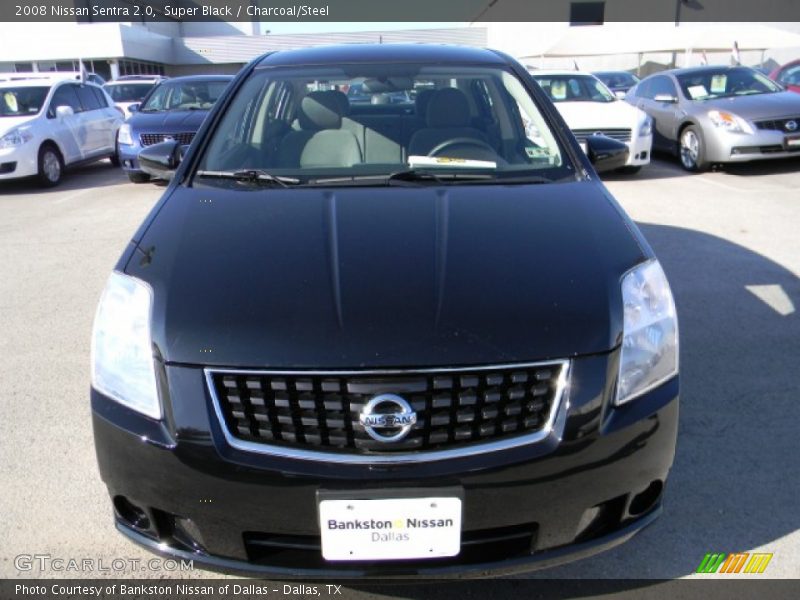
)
(448, 117)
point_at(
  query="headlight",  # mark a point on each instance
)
(729, 122)
(122, 354)
(15, 137)
(649, 354)
(647, 127)
(124, 135)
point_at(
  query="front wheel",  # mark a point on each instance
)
(51, 166)
(114, 158)
(692, 150)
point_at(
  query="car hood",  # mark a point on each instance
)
(761, 106)
(9, 123)
(170, 121)
(386, 277)
(589, 115)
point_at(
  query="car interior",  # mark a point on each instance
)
(380, 122)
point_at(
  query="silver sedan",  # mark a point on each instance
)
(709, 115)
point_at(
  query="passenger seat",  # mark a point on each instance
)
(320, 141)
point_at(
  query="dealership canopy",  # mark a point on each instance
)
(623, 38)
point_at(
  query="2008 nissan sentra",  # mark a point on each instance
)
(402, 339)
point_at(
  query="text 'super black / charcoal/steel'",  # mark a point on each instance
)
(385, 321)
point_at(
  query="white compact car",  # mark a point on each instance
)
(130, 90)
(589, 108)
(49, 123)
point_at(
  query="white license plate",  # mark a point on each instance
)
(390, 529)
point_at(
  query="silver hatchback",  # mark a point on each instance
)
(709, 115)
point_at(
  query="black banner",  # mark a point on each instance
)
(461, 11)
(485, 589)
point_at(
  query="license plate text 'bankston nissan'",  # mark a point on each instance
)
(385, 320)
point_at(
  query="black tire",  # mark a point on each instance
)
(51, 166)
(138, 177)
(692, 150)
(114, 158)
(629, 170)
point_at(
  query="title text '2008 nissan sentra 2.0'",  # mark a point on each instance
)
(412, 338)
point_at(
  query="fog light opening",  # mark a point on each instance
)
(187, 534)
(644, 501)
(130, 513)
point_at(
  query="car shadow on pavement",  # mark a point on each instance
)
(659, 168)
(97, 174)
(734, 484)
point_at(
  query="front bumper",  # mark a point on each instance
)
(180, 490)
(723, 147)
(129, 157)
(639, 150)
(19, 161)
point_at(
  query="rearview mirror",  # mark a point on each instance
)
(161, 160)
(606, 154)
(64, 111)
(665, 98)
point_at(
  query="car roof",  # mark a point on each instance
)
(382, 53)
(560, 73)
(190, 78)
(699, 69)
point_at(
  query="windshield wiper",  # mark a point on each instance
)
(250, 176)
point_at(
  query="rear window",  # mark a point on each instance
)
(377, 119)
(128, 92)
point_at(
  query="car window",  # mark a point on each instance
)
(22, 101)
(65, 95)
(101, 97)
(185, 95)
(128, 92)
(707, 84)
(88, 99)
(574, 88)
(313, 123)
(790, 76)
(661, 85)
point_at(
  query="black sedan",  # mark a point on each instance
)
(385, 340)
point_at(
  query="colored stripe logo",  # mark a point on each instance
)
(738, 562)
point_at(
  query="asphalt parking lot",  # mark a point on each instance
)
(728, 240)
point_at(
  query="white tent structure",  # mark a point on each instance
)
(635, 39)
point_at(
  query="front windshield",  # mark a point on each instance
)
(22, 101)
(574, 88)
(709, 84)
(128, 92)
(324, 124)
(186, 95)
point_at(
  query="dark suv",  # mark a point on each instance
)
(410, 340)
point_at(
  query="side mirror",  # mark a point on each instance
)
(606, 154)
(64, 111)
(134, 107)
(161, 160)
(665, 98)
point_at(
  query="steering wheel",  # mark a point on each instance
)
(462, 141)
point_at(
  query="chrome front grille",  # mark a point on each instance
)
(148, 139)
(321, 411)
(784, 124)
(621, 135)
